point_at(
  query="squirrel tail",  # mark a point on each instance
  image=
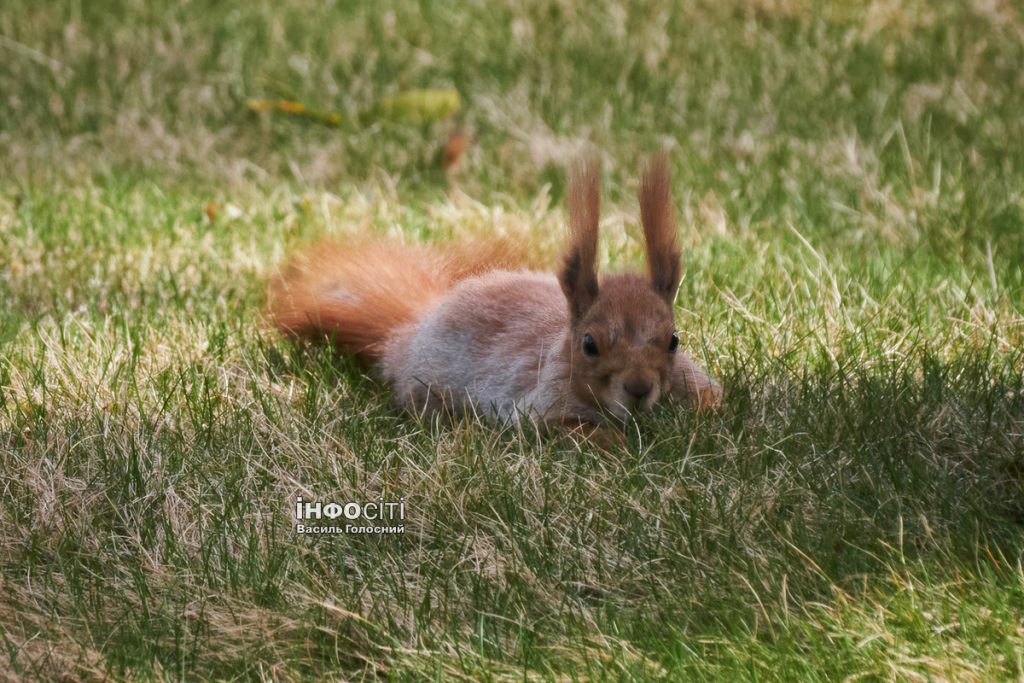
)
(356, 295)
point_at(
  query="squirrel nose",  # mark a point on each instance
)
(638, 387)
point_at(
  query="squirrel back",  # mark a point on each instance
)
(355, 295)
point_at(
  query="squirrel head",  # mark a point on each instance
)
(622, 339)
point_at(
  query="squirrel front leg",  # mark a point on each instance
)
(605, 437)
(692, 384)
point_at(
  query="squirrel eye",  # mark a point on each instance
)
(589, 345)
(674, 342)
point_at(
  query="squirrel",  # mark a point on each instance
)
(455, 329)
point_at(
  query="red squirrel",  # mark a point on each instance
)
(452, 329)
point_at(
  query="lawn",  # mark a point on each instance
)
(850, 185)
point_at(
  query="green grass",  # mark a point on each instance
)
(849, 179)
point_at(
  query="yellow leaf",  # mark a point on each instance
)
(418, 106)
(260, 105)
(328, 118)
(291, 107)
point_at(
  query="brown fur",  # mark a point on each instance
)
(579, 268)
(629, 317)
(632, 327)
(357, 294)
(664, 258)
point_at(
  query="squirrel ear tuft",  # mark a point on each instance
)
(658, 216)
(578, 276)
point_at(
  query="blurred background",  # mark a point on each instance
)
(865, 104)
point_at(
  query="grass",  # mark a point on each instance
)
(849, 183)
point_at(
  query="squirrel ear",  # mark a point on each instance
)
(578, 276)
(658, 216)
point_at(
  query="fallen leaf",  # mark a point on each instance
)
(417, 106)
(328, 118)
(454, 148)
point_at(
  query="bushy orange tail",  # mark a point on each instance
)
(356, 295)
